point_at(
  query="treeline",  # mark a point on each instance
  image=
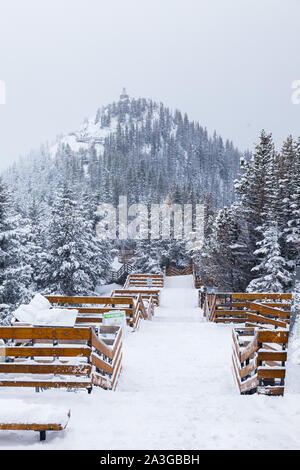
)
(252, 244)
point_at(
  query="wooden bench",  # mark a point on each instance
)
(38, 419)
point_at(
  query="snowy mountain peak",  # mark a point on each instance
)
(139, 148)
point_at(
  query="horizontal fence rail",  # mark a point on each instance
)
(51, 357)
(137, 305)
(240, 307)
(91, 309)
(144, 280)
(146, 294)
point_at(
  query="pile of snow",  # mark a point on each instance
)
(19, 412)
(39, 313)
(106, 289)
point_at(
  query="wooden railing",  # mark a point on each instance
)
(209, 307)
(91, 309)
(89, 315)
(243, 307)
(146, 294)
(124, 270)
(107, 356)
(174, 271)
(143, 309)
(144, 280)
(47, 357)
(258, 359)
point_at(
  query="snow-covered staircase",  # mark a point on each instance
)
(173, 354)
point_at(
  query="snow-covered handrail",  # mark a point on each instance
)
(91, 309)
(143, 280)
(259, 364)
(235, 307)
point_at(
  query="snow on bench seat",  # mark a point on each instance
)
(16, 415)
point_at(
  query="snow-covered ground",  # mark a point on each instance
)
(176, 392)
(106, 289)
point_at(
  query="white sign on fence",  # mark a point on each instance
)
(116, 318)
(149, 281)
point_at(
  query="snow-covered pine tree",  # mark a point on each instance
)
(98, 253)
(15, 271)
(147, 251)
(255, 190)
(224, 253)
(69, 249)
(292, 230)
(272, 272)
(37, 225)
(196, 248)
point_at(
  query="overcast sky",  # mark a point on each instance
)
(229, 64)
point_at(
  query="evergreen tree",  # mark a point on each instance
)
(15, 273)
(272, 273)
(69, 268)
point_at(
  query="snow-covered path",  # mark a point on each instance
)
(174, 350)
(176, 392)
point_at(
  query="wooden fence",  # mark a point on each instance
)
(92, 309)
(148, 295)
(259, 358)
(174, 271)
(259, 345)
(47, 357)
(241, 307)
(121, 275)
(144, 280)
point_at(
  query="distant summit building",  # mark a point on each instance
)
(124, 96)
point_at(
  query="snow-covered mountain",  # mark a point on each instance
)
(133, 147)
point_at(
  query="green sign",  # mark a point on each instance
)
(111, 315)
